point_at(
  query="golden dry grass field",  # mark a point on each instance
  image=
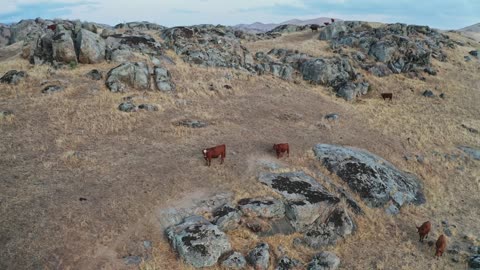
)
(76, 143)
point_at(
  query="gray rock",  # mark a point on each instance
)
(383, 51)
(126, 75)
(13, 77)
(376, 180)
(380, 70)
(94, 74)
(52, 89)
(333, 30)
(467, 58)
(307, 200)
(324, 261)
(127, 107)
(472, 152)
(5, 113)
(332, 116)
(286, 263)
(192, 123)
(121, 56)
(392, 209)
(475, 249)
(266, 207)
(430, 71)
(90, 47)
(329, 72)
(198, 242)
(132, 260)
(350, 91)
(226, 218)
(428, 93)
(277, 226)
(474, 262)
(259, 257)
(473, 53)
(148, 107)
(63, 47)
(235, 261)
(147, 244)
(338, 225)
(442, 95)
(163, 80)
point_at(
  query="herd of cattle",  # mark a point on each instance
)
(281, 148)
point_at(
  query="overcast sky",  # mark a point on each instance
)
(444, 14)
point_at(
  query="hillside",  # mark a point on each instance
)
(99, 170)
(472, 28)
(259, 27)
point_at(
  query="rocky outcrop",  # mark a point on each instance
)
(140, 26)
(90, 47)
(375, 180)
(259, 257)
(198, 242)
(472, 152)
(128, 75)
(163, 80)
(262, 207)
(235, 261)
(287, 28)
(94, 74)
(286, 263)
(52, 89)
(63, 47)
(13, 77)
(226, 217)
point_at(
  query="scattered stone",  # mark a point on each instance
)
(95, 74)
(473, 53)
(428, 93)
(474, 262)
(376, 180)
(226, 86)
(128, 74)
(90, 47)
(147, 244)
(13, 77)
(324, 233)
(226, 217)
(430, 71)
(286, 263)
(235, 261)
(132, 260)
(163, 80)
(392, 210)
(198, 242)
(127, 107)
(467, 58)
(324, 261)
(332, 116)
(148, 107)
(259, 257)
(475, 249)
(52, 89)
(5, 113)
(472, 152)
(266, 207)
(442, 95)
(192, 123)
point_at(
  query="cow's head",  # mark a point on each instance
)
(204, 153)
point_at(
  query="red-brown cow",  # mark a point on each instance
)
(52, 27)
(214, 152)
(326, 23)
(281, 148)
(333, 20)
(424, 230)
(441, 245)
(387, 96)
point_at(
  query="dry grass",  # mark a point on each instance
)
(59, 147)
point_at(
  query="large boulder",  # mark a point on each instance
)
(42, 51)
(328, 71)
(333, 30)
(375, 180)
(90, 47)
(63, 47)
(286, 263)
(259, 257)
(226, 217)
(306, 199)
(266, 207)
(126, 75)
(26, 30)
(235, 261)
(337, 225)
(198, 242)
(163, 80)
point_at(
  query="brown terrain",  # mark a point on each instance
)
(58, 148)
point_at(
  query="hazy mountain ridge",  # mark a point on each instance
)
(264, 27)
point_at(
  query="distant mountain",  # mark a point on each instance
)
(259, 27)
(472, 28)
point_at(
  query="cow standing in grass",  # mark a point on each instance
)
(214, 152)
(314, 27)
(424, 230)
(281, 148)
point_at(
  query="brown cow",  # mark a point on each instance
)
(441, 245)
(314, 27)
(424, 230)
(52, 27)
(387, 95)
(281, 148)
(214, 152)
(326, 23)
(333, 20)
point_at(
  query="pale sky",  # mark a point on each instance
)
(444, 14)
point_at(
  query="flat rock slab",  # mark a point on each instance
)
(306, 199)
(226, 217)
(259, 257)
(198, 242)
(235, 261)
(376, 180)
(265, 207)
(324, 261)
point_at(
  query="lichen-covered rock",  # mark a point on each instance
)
(338, 225)
(235, 261)
(128, 74)
(163, 80)
(63, 47)
(324, 261)
(90, 47)
(94, 74)
(127, 107)
(148, 107)
(306, 199)
(192, 123)
(198, 242)
(121, 56)
(376, 180)
(474, 262)
(328, 71)
(52, 89)
(259, 257)
(266, 207)
(226, 217)
(286, 263)
(13, 77)
(472, 152)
